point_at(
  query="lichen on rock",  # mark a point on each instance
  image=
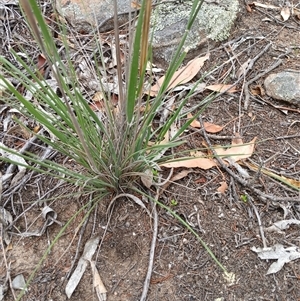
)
(218, 19)
(169, 22)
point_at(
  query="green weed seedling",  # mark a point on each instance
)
(244, 198)
(174, 203)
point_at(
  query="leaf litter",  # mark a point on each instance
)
(89, 250)
(238, 151)
(230, 154)
(283, 256)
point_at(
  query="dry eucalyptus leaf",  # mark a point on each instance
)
(282, 225)
(89, 250)
(222, 88)
(212, 128)
(182, 76)
(292, 182)
(277, 252)
(209, 127)
(199, 161)
(97, 283)
(238, 151)
(223, 187)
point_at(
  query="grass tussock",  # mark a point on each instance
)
(114, 147)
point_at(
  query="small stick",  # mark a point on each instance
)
(5, 261)
(152, 249)
(261, 230)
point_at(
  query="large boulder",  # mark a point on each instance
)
(168, 21)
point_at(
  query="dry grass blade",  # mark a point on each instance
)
(145, 37)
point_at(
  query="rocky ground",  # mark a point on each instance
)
(231, 223)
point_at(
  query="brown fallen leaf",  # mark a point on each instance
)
(222, 88)
(223, 187)
(209, 127)
(238, 151)
(182, 76)
(257, 90)
(196, 160)
(41, 66)
(202, 163)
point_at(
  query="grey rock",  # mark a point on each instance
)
(168, 21)
(284, 86)
(93, 12)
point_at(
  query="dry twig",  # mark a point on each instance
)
(152, 248)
